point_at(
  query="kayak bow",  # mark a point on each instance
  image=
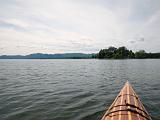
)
(126, 106)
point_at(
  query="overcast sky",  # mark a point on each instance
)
(57, 26)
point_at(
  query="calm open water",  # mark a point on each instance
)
(73, 89)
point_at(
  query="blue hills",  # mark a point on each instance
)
(49, 56)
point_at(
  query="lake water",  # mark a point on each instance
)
(73, 89)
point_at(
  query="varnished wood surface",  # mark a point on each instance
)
(126, 106)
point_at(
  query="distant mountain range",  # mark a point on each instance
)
(49, 56)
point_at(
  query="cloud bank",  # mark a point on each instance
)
(57, 26)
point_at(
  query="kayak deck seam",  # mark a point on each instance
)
(127, 104)
(129, 110)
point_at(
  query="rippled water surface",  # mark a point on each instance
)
(73, 89)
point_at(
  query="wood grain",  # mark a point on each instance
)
(126, 106)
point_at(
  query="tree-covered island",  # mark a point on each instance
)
(124, 53)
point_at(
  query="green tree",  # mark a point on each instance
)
(131, 54)
(121, 53)
(101, 53)
(112, 49)
(140, 54)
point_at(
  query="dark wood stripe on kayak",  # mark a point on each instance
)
(126, 106)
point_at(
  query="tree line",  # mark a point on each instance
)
(124, 53)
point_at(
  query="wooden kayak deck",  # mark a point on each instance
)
(126, 106)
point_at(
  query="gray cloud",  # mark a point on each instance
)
(132, 42)
(52, 26)
(141, 39)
